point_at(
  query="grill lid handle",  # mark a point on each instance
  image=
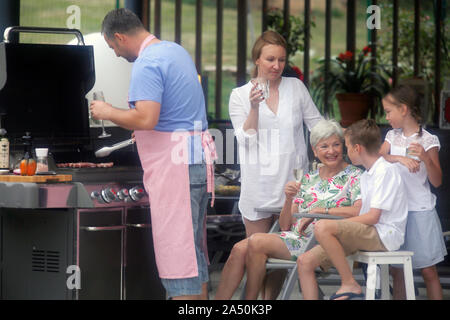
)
(10, 30)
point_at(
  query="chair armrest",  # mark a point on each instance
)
(317, 216)
(275, 227)
(273, 210)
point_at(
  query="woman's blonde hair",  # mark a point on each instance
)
(266, 38)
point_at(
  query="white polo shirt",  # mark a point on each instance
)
(382, 188)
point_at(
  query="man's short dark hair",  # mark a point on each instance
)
(121, 21)
(366, 133)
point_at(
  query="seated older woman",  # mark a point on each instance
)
(333, 188)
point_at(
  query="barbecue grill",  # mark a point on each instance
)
(99, 221)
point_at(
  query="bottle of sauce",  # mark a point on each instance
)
(27, 164)
(4, 153)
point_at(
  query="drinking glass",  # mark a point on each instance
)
(414, 139)
(298, 171)
(98, 96)
(263, 85)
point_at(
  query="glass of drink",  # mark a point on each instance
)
(263, 85)
(409, 155)
(298, 174)
(98, 96)
(298, 171)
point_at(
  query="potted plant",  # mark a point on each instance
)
(354, 82)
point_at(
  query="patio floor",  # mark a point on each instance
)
(330, 284)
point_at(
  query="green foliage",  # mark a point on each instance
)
(294, 34)
(226, 3)
(406, 42)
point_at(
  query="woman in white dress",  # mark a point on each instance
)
(269, 132)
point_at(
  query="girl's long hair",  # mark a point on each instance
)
(405, 94)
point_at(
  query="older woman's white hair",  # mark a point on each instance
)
(325, 129)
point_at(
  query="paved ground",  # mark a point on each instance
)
(330, 284)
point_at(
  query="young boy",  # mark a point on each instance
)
(380, 225)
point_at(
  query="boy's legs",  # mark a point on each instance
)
(326, 232)
(340, 238)
(398, 283)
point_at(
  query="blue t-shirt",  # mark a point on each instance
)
(165, 73)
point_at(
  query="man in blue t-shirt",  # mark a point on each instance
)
(165, 96)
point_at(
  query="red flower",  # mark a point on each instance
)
(347, 56)
(298, 72)
(366, 50)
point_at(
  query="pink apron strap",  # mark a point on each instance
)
(209, 148)
(145, 43)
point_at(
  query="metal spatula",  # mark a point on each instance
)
(106, 151)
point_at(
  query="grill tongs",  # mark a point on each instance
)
(106, 151)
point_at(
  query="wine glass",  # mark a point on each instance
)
(263, 85)
(98, 96)
(298, 171)
(298, 174)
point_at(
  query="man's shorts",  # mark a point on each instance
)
(353, 236)
(199, 201)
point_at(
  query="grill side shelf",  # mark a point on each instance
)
(19, 195)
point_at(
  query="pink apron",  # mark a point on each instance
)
(164, 158)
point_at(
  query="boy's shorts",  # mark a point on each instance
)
(353, 236)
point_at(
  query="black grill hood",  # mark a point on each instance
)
(44, 91)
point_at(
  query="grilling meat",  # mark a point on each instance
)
(85, 165)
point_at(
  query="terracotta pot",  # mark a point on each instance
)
(353, 107)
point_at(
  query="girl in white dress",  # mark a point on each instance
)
(417, 152)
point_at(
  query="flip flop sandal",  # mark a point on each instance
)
(349, 295)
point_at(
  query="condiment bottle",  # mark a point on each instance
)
(27, 164)
(41, 159)
(4, 153)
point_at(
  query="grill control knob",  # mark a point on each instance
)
(95, 195)
(109, 195)
(123, 194)
(137, 193)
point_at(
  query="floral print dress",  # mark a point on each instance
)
(341, 190)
